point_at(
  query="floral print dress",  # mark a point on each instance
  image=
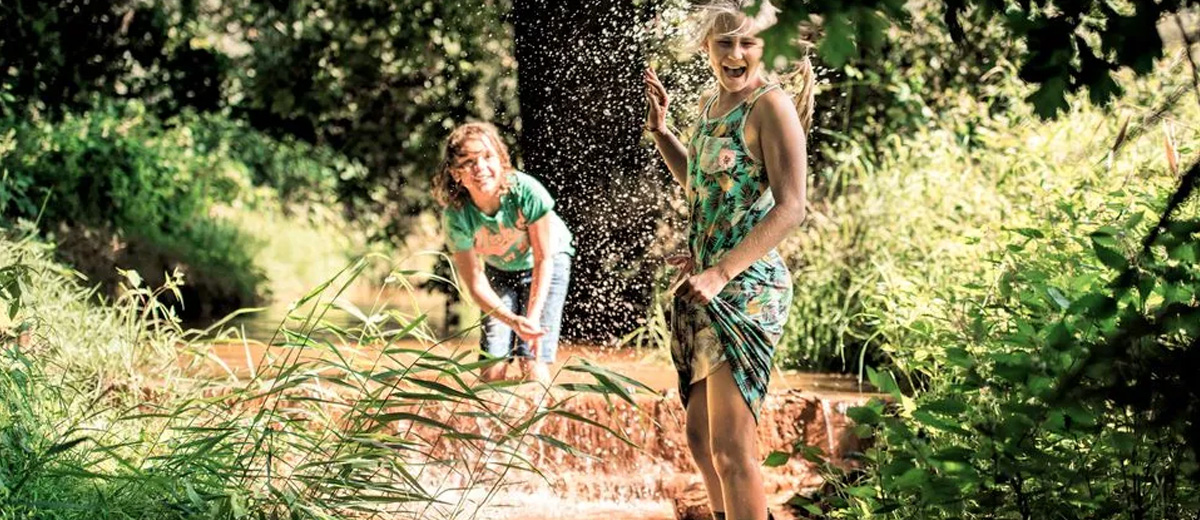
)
(728, 194)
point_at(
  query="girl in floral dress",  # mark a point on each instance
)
(743, 169)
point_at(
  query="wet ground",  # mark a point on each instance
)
(642, 484)
(652, 368)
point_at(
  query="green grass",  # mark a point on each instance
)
(99, 420)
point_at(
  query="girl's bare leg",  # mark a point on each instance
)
(734, 438)
(535, 370)
(700, 445)
(493, 373)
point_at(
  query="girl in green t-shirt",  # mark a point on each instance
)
(512, 252)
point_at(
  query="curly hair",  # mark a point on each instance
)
(447, 191)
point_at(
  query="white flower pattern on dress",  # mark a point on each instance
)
(725, 159)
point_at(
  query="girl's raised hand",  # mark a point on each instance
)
(658, 101)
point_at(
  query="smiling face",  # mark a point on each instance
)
(478, 167)
(734, 52)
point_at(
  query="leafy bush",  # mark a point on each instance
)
(166, 193)
(117, 170)
(1053, 360)
(1071, 394)
(298, 172)
(884, 271)
(911, 83)
(379, 81)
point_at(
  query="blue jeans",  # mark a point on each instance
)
(513, 288)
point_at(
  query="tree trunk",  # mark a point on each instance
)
(582, 111)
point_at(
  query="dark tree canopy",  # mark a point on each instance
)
(380, 81)
(1069, 45)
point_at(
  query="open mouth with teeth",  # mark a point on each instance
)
(734, 72)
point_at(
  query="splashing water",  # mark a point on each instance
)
(583, 107)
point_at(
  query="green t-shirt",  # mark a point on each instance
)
(503, 239)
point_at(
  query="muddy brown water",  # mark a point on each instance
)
(651, 481)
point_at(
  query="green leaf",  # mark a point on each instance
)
(1110, 257)
(945, 406)
(408, 416)
(1081, 416)
(954, 453)
(864, 414)
(1050, 98)
(837, 47)
(1184, 252)
(1095, 305)
(806, 504)
(959, 357)
(886, 508)
(1014, 368)
(812, 454)
(1145, 286)
(932, 421)
(884, 381)
(872, 29)
(896, 468)
(193, 496)
(913, 478)
(1030, 232)
(567, 448)
(1058, 298)
(237, 505)
(64, 446)
(603, 374)
(1184, 227)
(799, 500)
(780, 39)
(776, 459)
(861, 491)
(1059, 337)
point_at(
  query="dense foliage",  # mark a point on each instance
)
(116, 187)
(379, 83)
(1068, 46)
(101, 415)
(1062, 388)
(1034, 319)
(62, 56)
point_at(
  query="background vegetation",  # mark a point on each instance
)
(1023, 288)
(108, 420)
(144, 128)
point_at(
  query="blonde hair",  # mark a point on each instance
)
(447, 191)
(800, 82)
(707, 15)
